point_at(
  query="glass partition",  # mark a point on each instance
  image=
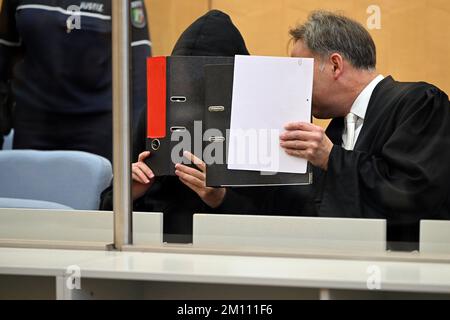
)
(57, 67)
(56, 113)
(270, 227)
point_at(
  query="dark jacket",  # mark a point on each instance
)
(213, 34)
(398, 170)
(65, 71)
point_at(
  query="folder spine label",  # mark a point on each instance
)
(156, 97)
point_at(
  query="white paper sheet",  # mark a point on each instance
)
(268, 93)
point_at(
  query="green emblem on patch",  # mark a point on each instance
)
(137, 14)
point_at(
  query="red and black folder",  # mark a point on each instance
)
(185, 90)
(176, 100)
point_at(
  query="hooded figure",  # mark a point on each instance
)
(213, 34)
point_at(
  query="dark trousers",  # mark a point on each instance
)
(41, 130)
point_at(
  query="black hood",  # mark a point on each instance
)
(213, 34)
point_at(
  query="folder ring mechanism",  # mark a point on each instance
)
(216, 108)
(179, 99)
(155, 144)
(216, 139)
(178, 129)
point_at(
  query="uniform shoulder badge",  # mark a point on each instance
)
(138, 14)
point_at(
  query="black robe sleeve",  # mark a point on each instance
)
(407, 179)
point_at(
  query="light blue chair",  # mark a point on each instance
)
(52, 179)
(14, 203)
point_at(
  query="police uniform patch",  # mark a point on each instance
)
(137, 14)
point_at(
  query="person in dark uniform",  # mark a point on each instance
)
(62, 82)
(179, 197)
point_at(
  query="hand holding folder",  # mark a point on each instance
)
(142, 176)
(175, 109)
(190, 109)
(196, 181)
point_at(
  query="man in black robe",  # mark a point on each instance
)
(386, 153)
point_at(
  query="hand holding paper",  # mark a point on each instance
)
(268, 93)
(307, 141)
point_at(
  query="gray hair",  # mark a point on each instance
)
(325, 33)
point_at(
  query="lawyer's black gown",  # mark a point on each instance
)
(399, 169)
